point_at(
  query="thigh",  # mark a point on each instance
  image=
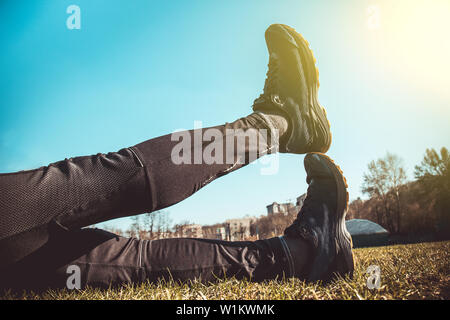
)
(73, 193)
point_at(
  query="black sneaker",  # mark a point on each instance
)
(291, 89)
(321, 220)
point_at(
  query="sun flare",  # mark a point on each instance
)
(411, 38)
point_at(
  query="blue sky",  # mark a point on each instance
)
(139, 69)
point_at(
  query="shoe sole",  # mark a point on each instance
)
(343, 263)
(309, 63)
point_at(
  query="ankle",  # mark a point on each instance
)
(273, 122)
(301, 252)
(279, 122)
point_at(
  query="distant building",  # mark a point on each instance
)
(217, 231)
(238, 229)
(162, 235)
(221, 233)
(276, 208)
(191, 231)
(242, 228)
(287, 207)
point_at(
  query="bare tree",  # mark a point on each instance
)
(396, 179)
(157, 223)
(274, 224)
(375, 186)
(355, 209)
(135, 228)
(163, 223)
(149, 223)
(383, 180)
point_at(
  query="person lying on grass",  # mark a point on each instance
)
(44, 211)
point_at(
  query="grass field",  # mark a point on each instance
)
(416, 271)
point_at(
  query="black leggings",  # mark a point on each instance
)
(104, 259)
(43, 211)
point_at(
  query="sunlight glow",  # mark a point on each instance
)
(413, 41)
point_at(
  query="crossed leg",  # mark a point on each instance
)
(43, 210)
(40, 231)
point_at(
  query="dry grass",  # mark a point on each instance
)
(417, 271)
